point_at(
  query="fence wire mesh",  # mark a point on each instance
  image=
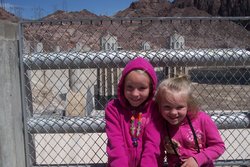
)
(72, 67)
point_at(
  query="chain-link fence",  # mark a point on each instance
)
(72, 67)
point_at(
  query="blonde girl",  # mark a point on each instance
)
(190, 138)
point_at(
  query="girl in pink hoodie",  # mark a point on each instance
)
(190, 137)
(129, 127)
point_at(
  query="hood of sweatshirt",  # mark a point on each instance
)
(135, 64)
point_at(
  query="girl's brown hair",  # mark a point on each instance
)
(178, 84)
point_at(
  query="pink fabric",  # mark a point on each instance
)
(210, 142)
(118, 112)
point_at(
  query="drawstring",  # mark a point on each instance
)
(194, 134)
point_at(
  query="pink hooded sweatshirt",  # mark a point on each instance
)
(121, 152)
(209, 139)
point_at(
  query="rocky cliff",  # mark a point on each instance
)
(5, 15)
(163, 8)
(218, 7)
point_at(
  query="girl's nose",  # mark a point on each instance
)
(135, 92)
(173, 111)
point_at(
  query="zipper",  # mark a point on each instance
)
(135, 156)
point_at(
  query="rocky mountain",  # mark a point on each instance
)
(146, 8)
(218, 7)
(163, 8)
(160, 8)
(57, 35)
(62, 15)
(5, 15)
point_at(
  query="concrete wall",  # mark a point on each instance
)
(12, 145)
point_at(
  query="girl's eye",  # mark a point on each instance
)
(179, 107)
(129, 87)
(166, 107)
(142, 88)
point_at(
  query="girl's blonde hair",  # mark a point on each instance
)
(178, 84)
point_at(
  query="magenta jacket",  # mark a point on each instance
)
(118, 112)
(210, 142)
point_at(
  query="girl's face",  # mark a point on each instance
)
(173, 107)
(136, 87)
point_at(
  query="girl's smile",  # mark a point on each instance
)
(137, 88)
(173, 107)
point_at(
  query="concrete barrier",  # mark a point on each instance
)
(12, 152)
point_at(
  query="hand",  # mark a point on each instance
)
(190, 162)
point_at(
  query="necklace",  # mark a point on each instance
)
(135, 131)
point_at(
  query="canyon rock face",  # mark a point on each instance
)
(5, 15)
(162, 8)
(66, 35)
(218, 7)
(159, 8)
